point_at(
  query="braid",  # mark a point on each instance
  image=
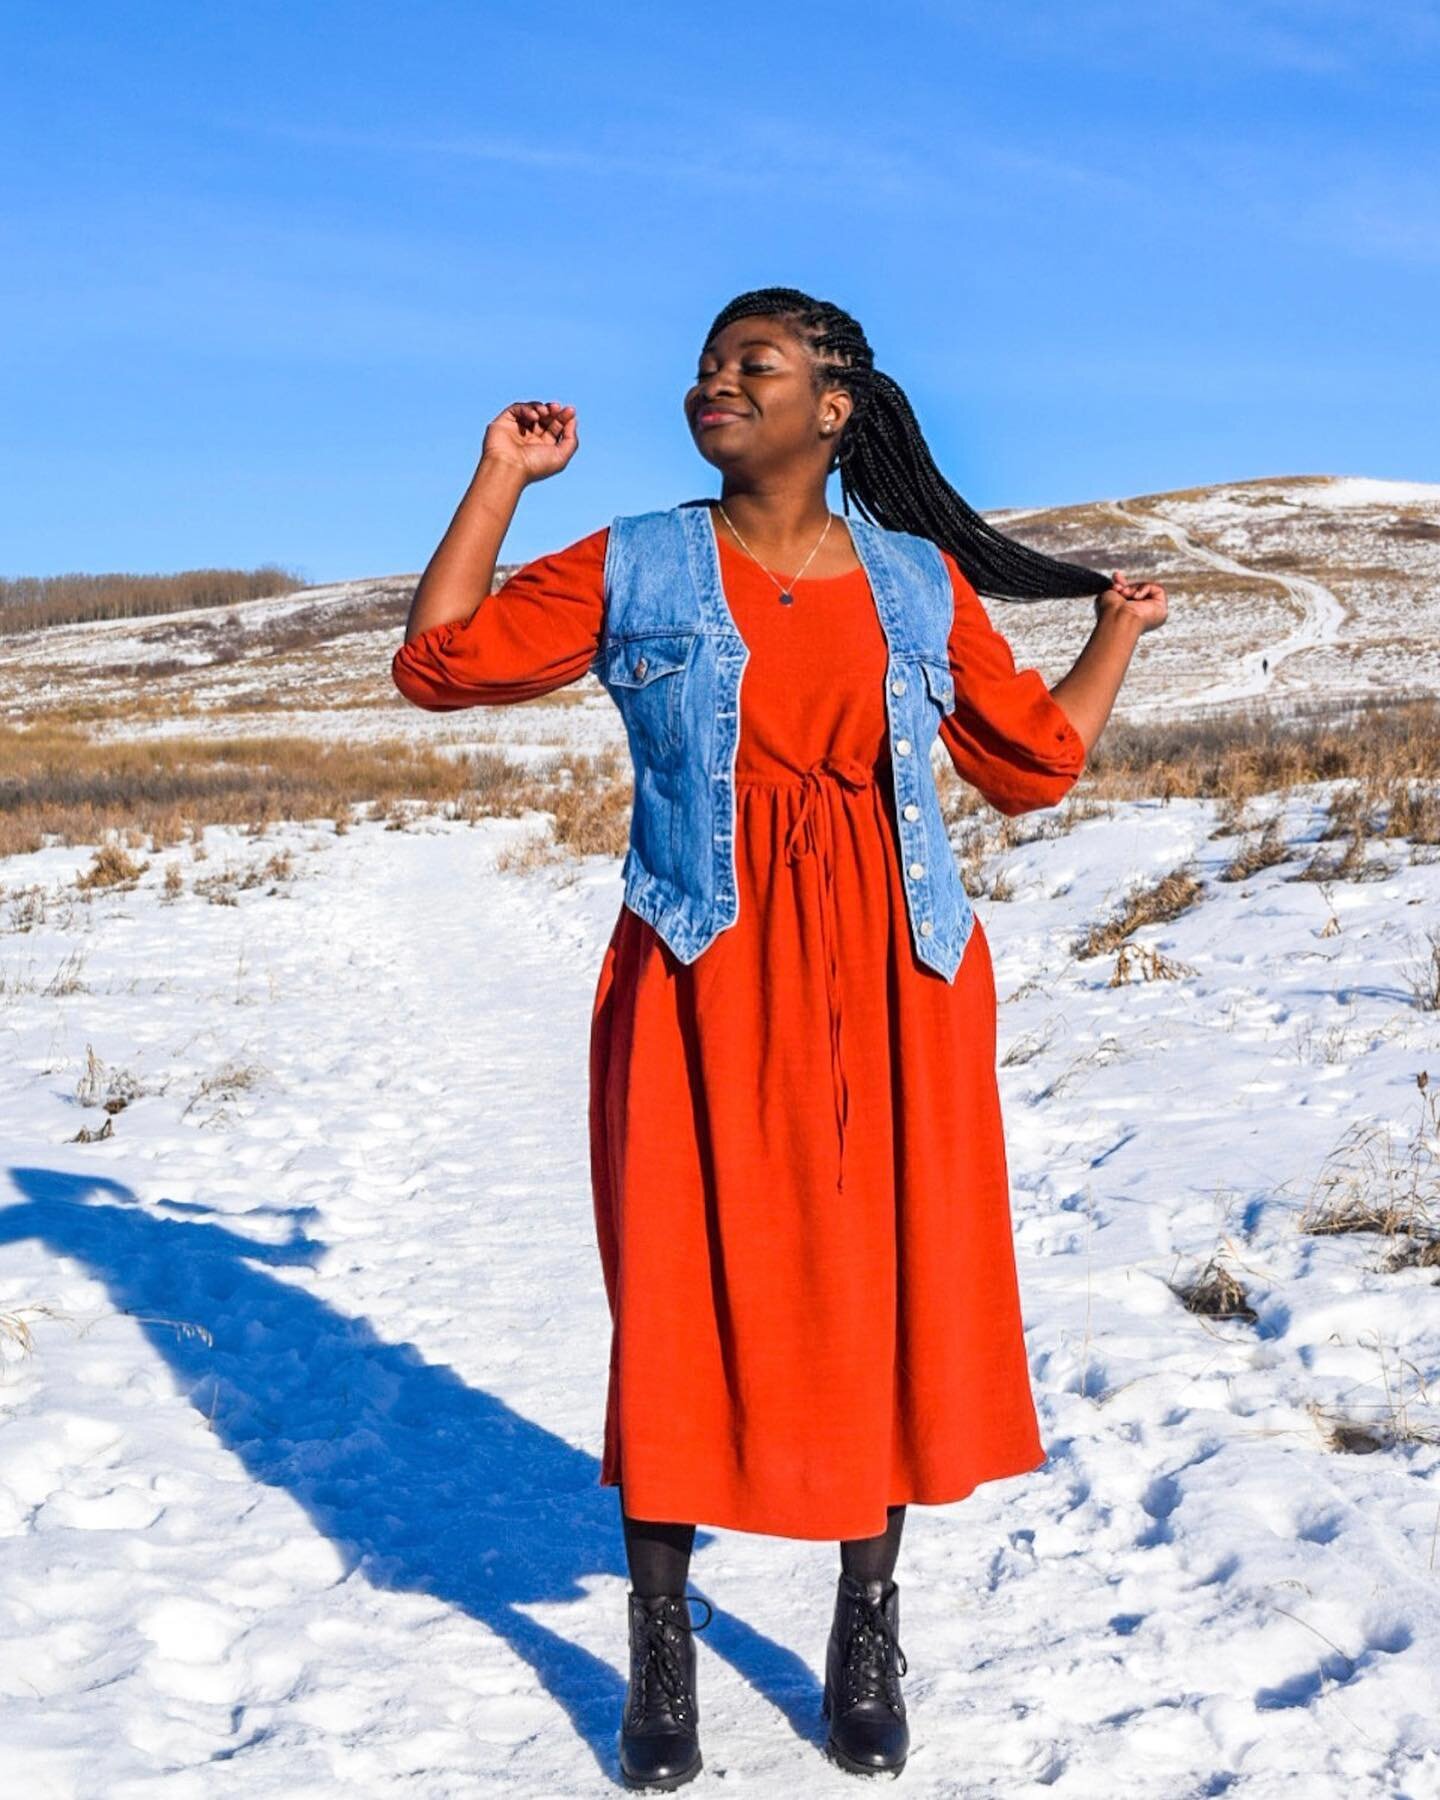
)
(885, 464)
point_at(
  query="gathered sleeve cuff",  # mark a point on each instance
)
(538, 631)
(1008, 735)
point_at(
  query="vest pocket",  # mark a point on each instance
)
(940, 683)
(646, 673)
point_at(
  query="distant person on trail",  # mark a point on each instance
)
(1265, 664)
(798, 1165)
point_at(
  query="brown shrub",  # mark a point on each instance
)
(1163, 900)
(111, 866)
(1257, 853)
(1216, 1293)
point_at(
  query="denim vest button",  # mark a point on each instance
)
(640, 668)
(897, 686)
(926, 928)
(903, 746)
(917, 869)
(912, 811)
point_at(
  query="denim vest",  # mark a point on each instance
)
(672, 660)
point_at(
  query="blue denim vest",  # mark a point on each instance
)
(672, 660)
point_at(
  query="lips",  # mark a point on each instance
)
(715, 415)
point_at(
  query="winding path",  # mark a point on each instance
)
(1321, 613)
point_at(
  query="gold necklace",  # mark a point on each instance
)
(786, 597)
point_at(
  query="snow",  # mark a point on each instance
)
(298, 1482)
(1363, 490)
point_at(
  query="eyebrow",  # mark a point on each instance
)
(748, 344)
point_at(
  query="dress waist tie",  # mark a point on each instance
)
(812, 832)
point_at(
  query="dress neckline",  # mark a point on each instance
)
(738, 556)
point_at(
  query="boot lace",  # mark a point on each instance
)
(658, 1679)
(873, 1660)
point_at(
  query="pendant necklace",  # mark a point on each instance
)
(786, 597)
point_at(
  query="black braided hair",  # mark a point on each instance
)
(885, 464)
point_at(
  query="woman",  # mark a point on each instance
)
(798, 1167)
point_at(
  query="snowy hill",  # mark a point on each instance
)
(1305, 589)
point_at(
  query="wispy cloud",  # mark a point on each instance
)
(760, 154)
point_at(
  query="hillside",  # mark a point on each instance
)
(1297, 589)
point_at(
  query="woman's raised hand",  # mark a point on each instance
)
(1144, 600)
(537, 437)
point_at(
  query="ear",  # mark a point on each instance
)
(834, 408)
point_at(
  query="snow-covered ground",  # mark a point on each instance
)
(298, 1484)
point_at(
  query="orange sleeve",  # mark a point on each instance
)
(1008, 735)
(538, 631)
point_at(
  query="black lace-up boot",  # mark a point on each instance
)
(659, 1732)
(863, 1665)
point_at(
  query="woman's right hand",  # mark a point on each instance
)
(536, 437)
(1146, 601)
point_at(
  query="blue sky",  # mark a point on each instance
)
(266, 271)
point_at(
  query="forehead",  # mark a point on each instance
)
(759, 328)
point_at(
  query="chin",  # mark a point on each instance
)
(708, 452)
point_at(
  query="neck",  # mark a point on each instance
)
(776, 514)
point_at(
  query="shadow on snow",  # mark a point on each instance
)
(421, 1482)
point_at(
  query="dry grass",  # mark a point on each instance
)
(1150, 964)
(588, 798)
(1026, 1049)
(1418, 1253)
(1399, 1419)
(1254, 854)
(220, 886)
(1156, 904)
(66, 980)
(1354, 863)
(1386, 747)
(1413, 812)
(111, 867)
(15, 1326)
(1216, 1293)
(225, 1086)
(59, 785)
(1245, 752)
(1379, 1181)
(111, 1088)
(982, 837)
(1424, 976)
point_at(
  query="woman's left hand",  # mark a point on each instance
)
(1144, 600)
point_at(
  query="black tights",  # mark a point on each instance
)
(659, 1553)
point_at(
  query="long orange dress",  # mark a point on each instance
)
(792, 1352)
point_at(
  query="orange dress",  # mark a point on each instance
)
(791, 1353)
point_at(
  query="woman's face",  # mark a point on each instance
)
(753, 406)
